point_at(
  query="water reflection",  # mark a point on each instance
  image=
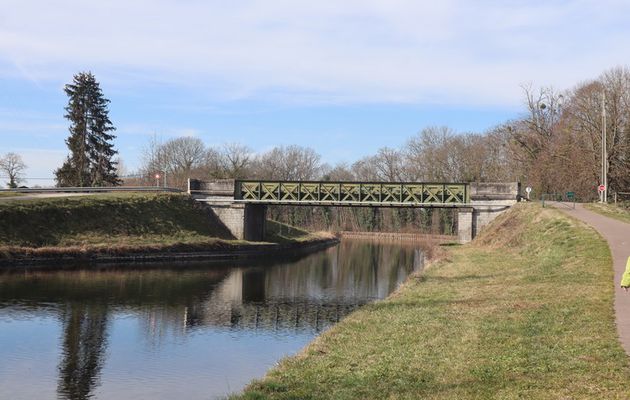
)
(84, 344)
(282, 305)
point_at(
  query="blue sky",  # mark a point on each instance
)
(345, 78)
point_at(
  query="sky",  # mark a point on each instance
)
(343, 77)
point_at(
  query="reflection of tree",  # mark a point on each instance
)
(84, 345)
(354, 270)
(307, 295)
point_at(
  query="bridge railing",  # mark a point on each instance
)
(351, 193)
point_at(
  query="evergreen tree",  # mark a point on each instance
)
(90, 142)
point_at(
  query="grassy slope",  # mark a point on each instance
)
(117, 222)
(610, 210)
(525, 312)
(277, 232)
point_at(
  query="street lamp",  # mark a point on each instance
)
(604, 193)
(158, 176)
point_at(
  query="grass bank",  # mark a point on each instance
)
(523, 313)
(119, 224)
(610, 210)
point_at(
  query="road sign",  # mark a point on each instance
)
(528, 189)
(601, 188)
(570, 195)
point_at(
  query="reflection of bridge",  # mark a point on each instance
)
(304, 315)
(241, 205)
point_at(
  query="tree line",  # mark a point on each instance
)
(553, 146)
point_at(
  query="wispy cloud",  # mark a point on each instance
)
(455, 52)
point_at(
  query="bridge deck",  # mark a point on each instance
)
(394, 194)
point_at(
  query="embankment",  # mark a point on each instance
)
(132, 227)
(526, 311)
(403, 236)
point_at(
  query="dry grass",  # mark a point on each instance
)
(610, 210)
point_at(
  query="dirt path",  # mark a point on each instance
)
(617, 234)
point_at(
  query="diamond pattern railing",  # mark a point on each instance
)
(352, 193)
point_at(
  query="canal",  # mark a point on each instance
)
(181, 331)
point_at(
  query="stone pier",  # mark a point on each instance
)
(244, 221)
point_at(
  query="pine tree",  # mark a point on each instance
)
(90, 142)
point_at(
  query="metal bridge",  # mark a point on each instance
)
(394, 194)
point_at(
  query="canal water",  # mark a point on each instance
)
(180, 332)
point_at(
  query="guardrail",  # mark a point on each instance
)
(562, 198)
(621, 196)
(93, 189)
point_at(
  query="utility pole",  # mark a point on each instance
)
(604, 193)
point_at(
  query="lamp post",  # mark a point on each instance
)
(604, 193)
(158, 176)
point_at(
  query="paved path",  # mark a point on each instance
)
(617, 234)
(33, 196)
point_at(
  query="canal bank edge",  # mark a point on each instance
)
(524, 311)
(235, 252)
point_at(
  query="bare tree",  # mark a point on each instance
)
(183, 154)
(13, 166)
(212, 164)
(365, 169)
(340, 172)
(429, 155)
(153, 158)
(585, 123)
(236, 160)
(178, 158)
(289, 163)
(389, 164)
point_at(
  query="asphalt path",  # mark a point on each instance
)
(42, 196)
(617, 234)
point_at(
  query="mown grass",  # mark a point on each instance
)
(523, 313)
(119, 223)
(610, 210)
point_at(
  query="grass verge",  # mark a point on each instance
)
(118, 224)
(524, 312)
(10, 194)
(610, 210)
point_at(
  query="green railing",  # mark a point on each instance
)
(352, 193)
